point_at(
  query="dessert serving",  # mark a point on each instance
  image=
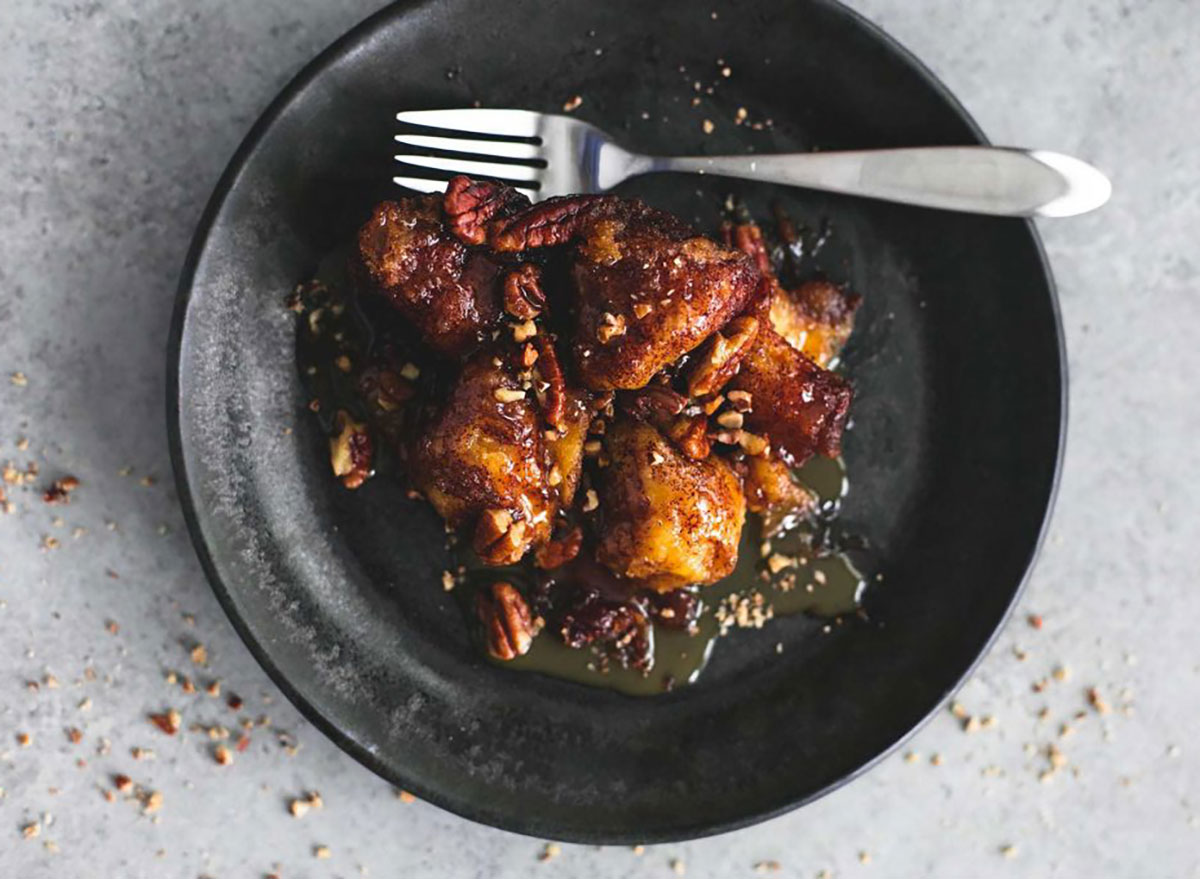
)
(632, 431)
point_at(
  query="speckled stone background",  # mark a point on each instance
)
(116, 118)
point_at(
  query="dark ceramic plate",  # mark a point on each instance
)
(954, 453)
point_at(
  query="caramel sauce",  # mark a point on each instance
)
(822, 582)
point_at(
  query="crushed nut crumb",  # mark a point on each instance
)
(508, 395)
(524, 331)
(731, 419)
(168, 721)
(777, 562)
(60, 491)
(611, 326)
(152, 802)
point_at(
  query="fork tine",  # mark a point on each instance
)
(500, 148)
(473, 168)
(509, 123)
(421, 184)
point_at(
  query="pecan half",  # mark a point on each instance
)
(750, 241)
(560, 550)
(722, 356)
(621, 627)
(508, 626)
(549, 224)
(653, 402)
(499, 538)
(470, 205)
(524, 297)
(690, 434)
(554, 397)
(350, 450)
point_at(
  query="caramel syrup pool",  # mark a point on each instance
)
(794, 572)
(826, 585)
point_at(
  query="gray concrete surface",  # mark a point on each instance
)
(116, 118)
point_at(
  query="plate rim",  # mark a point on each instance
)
(515, 823)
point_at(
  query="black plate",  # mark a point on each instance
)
(954, 453)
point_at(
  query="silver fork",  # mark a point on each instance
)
(545, 155)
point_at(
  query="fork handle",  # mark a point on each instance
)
(982, 180)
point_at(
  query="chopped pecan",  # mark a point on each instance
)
(674, 609)
(394, 390)
(550, 370)
(653, 402)
(527, 356)
(752, 443)
(742, 401)
(499, 538)
(611, 326)
(690, 434)
(470, 205)
(560, 550)
(350, 450)
(385, 388)
(524, 297)
(722, 356)
(509, 627)
(60, 491)
(730, 419)
(524, 331)
(169, 721)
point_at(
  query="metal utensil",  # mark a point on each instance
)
(545, 155)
